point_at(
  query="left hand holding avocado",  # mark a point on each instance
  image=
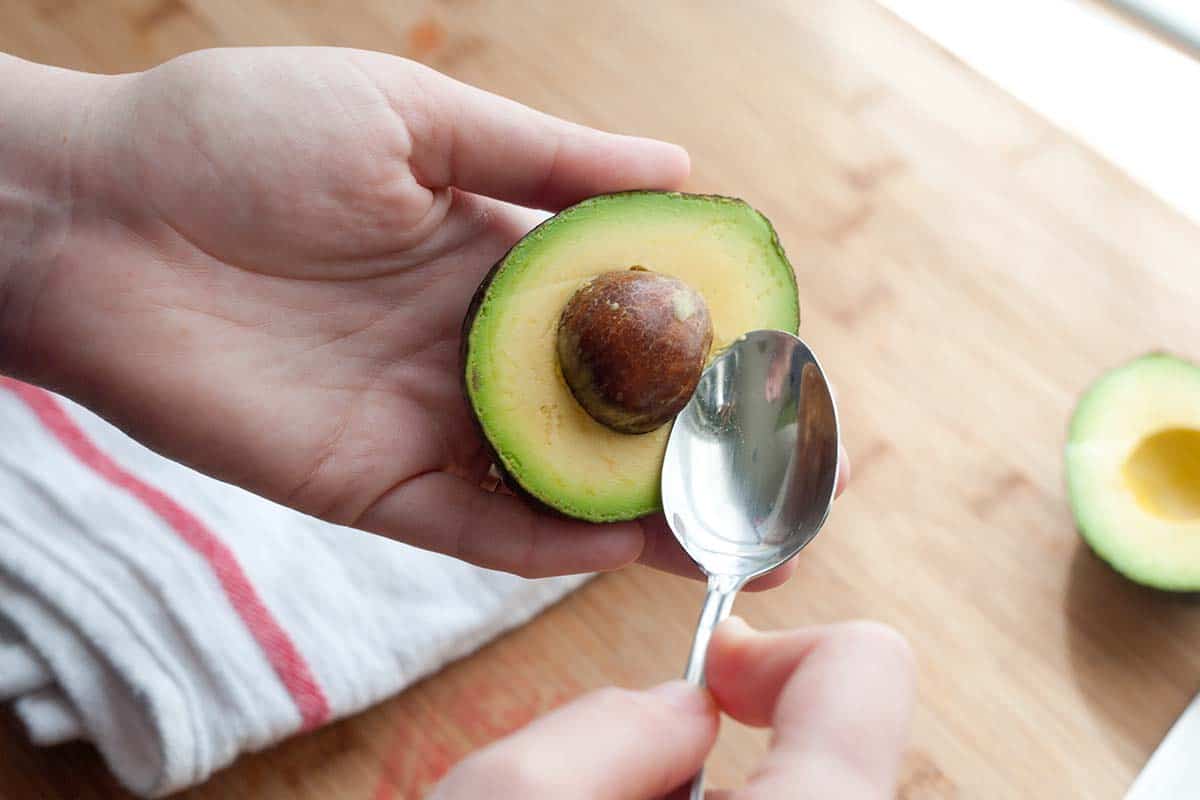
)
(257, 262)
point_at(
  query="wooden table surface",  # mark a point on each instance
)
(965, 270)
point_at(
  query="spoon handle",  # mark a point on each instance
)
(718, 602)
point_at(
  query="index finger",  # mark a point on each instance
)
(482, 143)
(612, 744)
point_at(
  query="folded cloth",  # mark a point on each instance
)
(175, 621)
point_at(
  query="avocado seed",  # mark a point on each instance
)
(632, 344)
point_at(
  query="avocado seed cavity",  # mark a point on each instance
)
(631, 345)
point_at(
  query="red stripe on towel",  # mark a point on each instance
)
(281, 652)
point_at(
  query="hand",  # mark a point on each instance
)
(268, 259)
(839, 699)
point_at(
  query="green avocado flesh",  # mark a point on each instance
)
(1133, 470)
(546, 443)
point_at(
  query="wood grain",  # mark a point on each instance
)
(965, 271)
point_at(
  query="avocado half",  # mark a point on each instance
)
(547, 446)
(1133, 470)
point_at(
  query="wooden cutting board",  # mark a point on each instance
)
(965, 271)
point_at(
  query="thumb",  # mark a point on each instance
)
(612, 744)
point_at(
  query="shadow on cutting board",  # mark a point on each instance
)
(71, 770)
(1135, 651)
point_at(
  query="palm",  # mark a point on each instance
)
(298, 293)
(311, 248)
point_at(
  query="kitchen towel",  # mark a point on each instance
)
(175, 621)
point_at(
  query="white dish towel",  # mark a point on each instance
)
(176, 621)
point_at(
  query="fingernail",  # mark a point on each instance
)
(685, 696)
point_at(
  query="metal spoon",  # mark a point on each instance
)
(750, 471)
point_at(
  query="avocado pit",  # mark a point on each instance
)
(631, 346)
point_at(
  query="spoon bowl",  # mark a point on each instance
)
(750, 470)
(751, 463)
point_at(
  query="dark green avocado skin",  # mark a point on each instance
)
(510, 481)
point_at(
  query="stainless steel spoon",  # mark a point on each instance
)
(750, 471)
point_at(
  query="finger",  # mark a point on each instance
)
(612, 744)
(479, 142)
(839, 697)
(446, 514)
